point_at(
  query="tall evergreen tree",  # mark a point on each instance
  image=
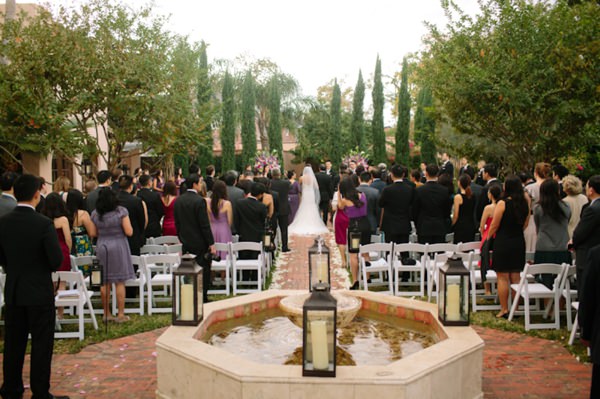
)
(357, 127)
(248, 120)
(377, 127)
(403, 126)
(428, 149)
(335, 137)
(228, 125)
(204, 109)
(274, 130)
(419, 117)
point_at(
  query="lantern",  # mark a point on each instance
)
(319, 315)
(187, 292)
(96, 274)
(318, 264)
(354, 241)
(453, 298)
(87, 167)
(268, 238)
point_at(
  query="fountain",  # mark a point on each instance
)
(189, 367)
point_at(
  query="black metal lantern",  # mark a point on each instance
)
(87, 167)
(187, 292)
(318, 264)
(96, 275)
(268, 238)
(319, 341)
(354, 241)
(453, 298)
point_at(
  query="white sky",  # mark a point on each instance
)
(313, 40)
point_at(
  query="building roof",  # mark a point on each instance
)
(28, 8)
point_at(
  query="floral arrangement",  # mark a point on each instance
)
(265, 161)
(360, 157)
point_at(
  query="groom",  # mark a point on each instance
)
(325, 190)
(282, 187)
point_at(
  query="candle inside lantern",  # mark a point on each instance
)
(187, 302)
(453, 303)
(95, 278)
(320, 354)
(355, 242)
(267, 240)
(322, 269)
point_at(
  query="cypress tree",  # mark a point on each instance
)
(403, 126)
(357, 127)
(204, 108)
(274, 130)
(419, 117)
(248, 121)
(228, 125)
(428, 149)
(377, 127)
(335, 138)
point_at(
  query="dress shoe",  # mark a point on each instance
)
(59, 397)
(354, 286)
(285, 250)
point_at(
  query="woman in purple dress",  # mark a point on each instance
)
(220, 214)
(293, 195)
(112, 249)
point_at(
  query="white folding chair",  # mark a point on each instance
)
(569, 294)
(168, 240)
(138, 282)
(575, 306)
(450, 238)
(468, 246)
(416, 271)
(152, 249)
(75, 296)
(223, 266)
(382, 265)
(76, 263)
(537, 291)
(2, 282)
(239, 265)
(433, 263)
(158, 271)
(174, 249)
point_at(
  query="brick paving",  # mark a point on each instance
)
(514, 365)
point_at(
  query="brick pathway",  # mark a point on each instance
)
(514, 365)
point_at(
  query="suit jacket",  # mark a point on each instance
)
(29, 253)
(466, 169)
(234, 194)
(325, 186)
(378, 184)
(482, 200)
(372, 204)
(431, 209)
(396, 201)
(447, 169)
(92, 198)
(250, 215)
(589, 303)
(193, 226)
(7, 204)
(155, 211)
(282, 188)
(135, 208)
(587, 233)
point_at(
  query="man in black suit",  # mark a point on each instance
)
(193, 227)
(587, 232)
(372, 195)
(154, 206)
(29, 253)
(466, 168)
(282, 188)
(490, 174)
(137, 213)
(447, 168)
(8, 202)
(396, 201)
(325, 191)
(249, 220)
(377, 182)
(103, 178)
(589, 314)
(209, 179)
(431, 208)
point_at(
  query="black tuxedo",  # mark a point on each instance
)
(155, 211)
(326, 193)
(468, 169)
(447, 169)
(396, 201)
(135, 208)
(373, 211)
(431, 209)
(586, 236)
(282, 188)
(482, 200)
(29, 253)
(250, 215)
(589, 313)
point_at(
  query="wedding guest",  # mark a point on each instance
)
(282, 188)
(115, 175)
(103, 178)
(372, 200)
(494, 194)
(559, 172)
(89, 186)
(575, 199)
(431, 208)
(480, 180)
(490, 177)
(587, 232)
(378, 183)
(61, 186)
(447, 168)
(168, 203)
(293, 195)
(220, 215)
(541, 172)
(209, 179)
(589, 315)
(154, 206)
(396, 201)
(465, 168)
(137, 213)
(159, 181)
(340, 226)
(326, 191)
(178, 178)
(82, 227)
(463, 217)
(8, 202)
(415, 177)
(112, 249)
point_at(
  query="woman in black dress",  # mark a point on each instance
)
(511, 217)
(463, 217)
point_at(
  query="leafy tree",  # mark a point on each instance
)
(248, 121)
(357, 128)
(316, 124)
(274, 128)
(522, 76)
(335, 140)
(228, 124)
(403, 126)
(205, 108)
(377, 127)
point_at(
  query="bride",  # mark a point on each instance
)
(308, 219)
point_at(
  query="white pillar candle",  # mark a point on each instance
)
(187, 302)
(322, 269)
(96, 278)
(267, 240)
(453, 303)
(320, 354)
(355, 242)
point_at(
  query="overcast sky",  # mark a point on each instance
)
(313, 40)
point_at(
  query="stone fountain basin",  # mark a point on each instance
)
(347, 307)
(190, 368)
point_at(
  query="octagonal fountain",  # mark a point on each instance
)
(446, 364)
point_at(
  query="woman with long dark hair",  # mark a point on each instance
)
(220, 214)
(354, 204)
(510, 219)
(55, 209)
(112, 249)
(463, 217)
(293, 195)
(82, 227)
(168, 200)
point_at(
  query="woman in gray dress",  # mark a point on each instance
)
(112, 249)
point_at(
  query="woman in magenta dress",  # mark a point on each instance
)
(293, 195)
(494, 193)
(159, 182)
(220, 214)
(168, 199)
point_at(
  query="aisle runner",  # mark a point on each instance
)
(292, 267)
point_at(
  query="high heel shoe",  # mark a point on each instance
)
(502, 316)
(354, 286)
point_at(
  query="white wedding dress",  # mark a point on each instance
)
(308, 218)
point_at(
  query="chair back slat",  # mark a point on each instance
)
(169, 240)
(153, 249)
(246, 246)
(376, 247)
